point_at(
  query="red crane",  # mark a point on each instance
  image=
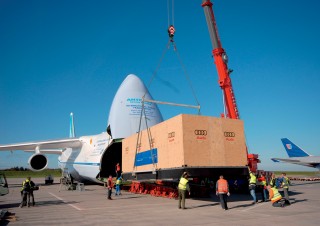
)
(221, 61)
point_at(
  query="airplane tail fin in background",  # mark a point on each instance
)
(292, 149)
(71, 132)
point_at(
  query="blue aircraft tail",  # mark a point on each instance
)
(71, 132)
(292, 149)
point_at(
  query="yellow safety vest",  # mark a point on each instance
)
(24, 182)
(183, 184)
(253, 179)
(285, 183)
(276, 195)
(118, 182)
(272, 182)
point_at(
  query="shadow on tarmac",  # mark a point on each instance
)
(241, 206)
(205, 205)
(307, 182)
(299, 200)
(231, 198)
(292, 193)
(132, 197)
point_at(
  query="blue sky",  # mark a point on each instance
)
(58, 57)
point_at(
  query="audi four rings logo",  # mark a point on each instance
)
(229, 134)
(172, 134)
(200, 132)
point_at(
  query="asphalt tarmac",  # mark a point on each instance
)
(91, 207)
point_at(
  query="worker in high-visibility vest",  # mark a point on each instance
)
(272, 181)
(27, 193)
(252, 186)
(222, 190)
(118, 183)
(118, 170)
(285, 186)
(275, 197)
(262, 185)
(109, 187)
(183, 187)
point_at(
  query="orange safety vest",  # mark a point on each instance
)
(275, 195)
(222, 186)
(110, 184)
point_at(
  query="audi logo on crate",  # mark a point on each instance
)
(171, 135)
(229, 134)
(200, 132)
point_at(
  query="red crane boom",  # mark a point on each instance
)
(221, 61)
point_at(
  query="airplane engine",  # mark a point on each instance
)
(38, 162)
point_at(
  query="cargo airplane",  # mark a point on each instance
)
(298, 156)
(87, 158)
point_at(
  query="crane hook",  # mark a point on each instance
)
(171, 31)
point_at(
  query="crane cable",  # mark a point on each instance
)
(182, 66)
(171, 41)
(171, 31)
(143, 114)
(187, 76)
(172, 14)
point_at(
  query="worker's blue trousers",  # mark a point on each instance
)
(118, 189)
(253, 194)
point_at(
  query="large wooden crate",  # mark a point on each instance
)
(188, 141)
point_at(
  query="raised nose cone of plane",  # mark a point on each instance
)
(125, 111)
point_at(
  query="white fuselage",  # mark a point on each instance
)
(84, 164)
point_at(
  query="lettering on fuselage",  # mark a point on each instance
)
(99, 147)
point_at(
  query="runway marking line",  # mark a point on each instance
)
(61, 199)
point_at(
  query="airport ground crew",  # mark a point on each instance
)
(275, 197)
(31, 196)
(285, 185)
(222, 189)
(118, 170)
(183, 187)
(262, 187)
(109, 187)
(272, 181)
(252, 186)
(27, 192)
(118, 184)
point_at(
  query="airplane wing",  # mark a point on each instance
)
(48, 146)
(297, 161)
(285, 160)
